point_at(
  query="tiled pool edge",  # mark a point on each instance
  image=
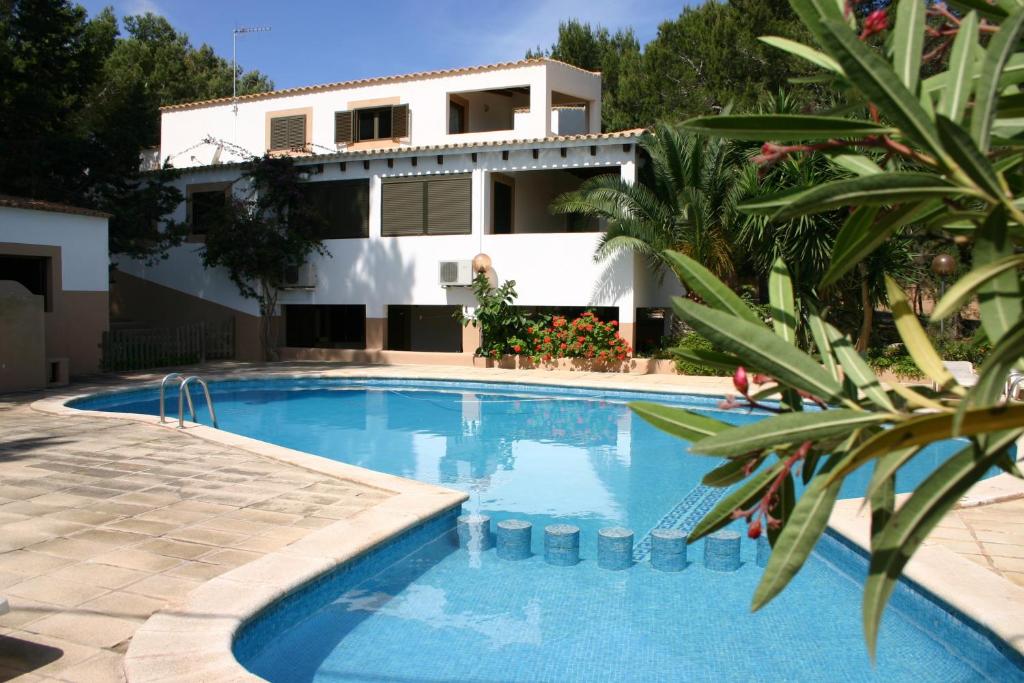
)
(985, 598)
(190, 643)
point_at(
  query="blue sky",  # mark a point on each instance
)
(332, 40)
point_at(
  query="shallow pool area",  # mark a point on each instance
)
(420, 608)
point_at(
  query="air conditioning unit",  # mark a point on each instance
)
(300, 277)
(456, 273)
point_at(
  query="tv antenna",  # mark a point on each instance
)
(239, 30)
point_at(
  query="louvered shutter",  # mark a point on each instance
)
(343, 128)
(449, 205)
(400, 121)
(402, 207)
(288, 132)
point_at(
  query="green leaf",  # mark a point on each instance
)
(677, 421)
(858, 164)
(821, 340)
(783, 305)
(786, 429)
(811, 12)
(705, 284)
(875, 79)
(908, 38)
(1000, 48)
(857, 369)
(761, 349)
(857, 236)
(804, 52)
(916, 340)
(883, 504)
(964, 152)
(872, 190)
(784, 127)
(794, 544)
(910, 525)
(1000, 298)
(887, 466)
(782, 506)
(961, 65)
(728, 474)
(921, 430)
(741, 496)
(957, 295)
(861, 236)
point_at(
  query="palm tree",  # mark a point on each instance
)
(685, 200)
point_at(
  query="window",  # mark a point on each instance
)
(288, 132)
(456, 116)
(424, 328)
(372, 123)
(439, 205)
(32, 272)
(325, 327)
(343, 206)
(205, 204)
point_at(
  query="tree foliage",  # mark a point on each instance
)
(700, 62)
(78, 102)
(265, 229)
(959, 143)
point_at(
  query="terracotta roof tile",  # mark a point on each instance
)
(342, 155)
(41, 205)
(341, 85)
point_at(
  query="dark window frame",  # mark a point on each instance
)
(361, 186)
(379, 116)
(202, 189)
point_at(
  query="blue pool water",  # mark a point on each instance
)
(423, 610)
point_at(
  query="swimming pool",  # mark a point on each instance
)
(426, 610)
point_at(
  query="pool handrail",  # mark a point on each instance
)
(183, 391)
(163, 387)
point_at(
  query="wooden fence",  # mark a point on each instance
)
(154, 348)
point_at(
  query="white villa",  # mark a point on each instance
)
(415, 174)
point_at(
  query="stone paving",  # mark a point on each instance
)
(103, 522)
(989, 535)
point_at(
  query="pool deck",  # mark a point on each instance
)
(119, 535)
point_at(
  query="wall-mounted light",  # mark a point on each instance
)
(481, 263)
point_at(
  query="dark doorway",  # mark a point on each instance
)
(502, 200)
(325, 327)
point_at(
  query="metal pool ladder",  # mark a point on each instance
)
(183, 395)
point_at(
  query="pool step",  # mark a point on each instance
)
(684, 516)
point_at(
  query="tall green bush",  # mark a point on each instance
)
(958, 140)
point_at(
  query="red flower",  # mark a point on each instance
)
(876, 22)
(547, 340)
(562, 345)
(754, 530)
(739, 380)
(529, 330)
(517, 348)
(614, 323)
(621, 356)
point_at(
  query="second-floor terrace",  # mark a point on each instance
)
(529, 99)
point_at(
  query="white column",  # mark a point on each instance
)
(629, 271)
(478, 201)
(374, 217)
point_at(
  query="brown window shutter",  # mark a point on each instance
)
(278, 133)
(288, 132)
(343, 128)
(400, 121)
(449, 205)
(402, 207)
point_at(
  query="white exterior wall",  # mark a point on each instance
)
(550, 269)
(82, 240)
(183, 129)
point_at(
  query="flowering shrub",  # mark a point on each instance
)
(583, 337)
